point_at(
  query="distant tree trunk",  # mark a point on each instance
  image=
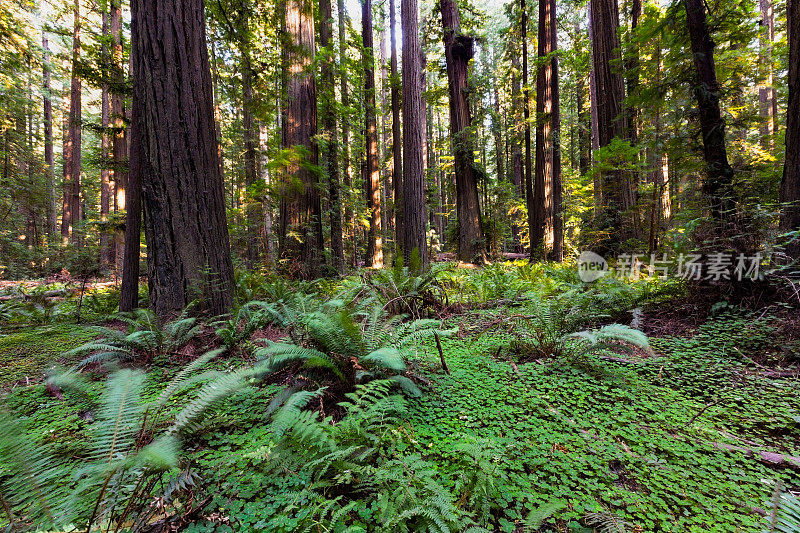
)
(593, 133)
(249, 78)
(331, 155)
(267, 234)
(526, 107)
(344, 92)
(617, 193)
(497, 132)
(458, 52)
(52, 224)
(71, 214)
(183, 195)
(584, 129)
(413, 205)
(372, 182)
(707, 92)
(660, 200)
(766, 94)
(547, 176)
(300, 231)
(632, 68)
(119, 141)
(397, 148)
(790, 184)
(106, 244)
(517, 169)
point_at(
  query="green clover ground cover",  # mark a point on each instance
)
(639, 445)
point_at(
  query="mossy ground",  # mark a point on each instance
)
(26, 354)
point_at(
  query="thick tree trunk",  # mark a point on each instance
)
(413, 204)
(119, 141)
(372, 181)
(707, 92)
(547, 235)
(458, 52)
(616, 189)
(526, 107)
(790, 184)
(300, 233)
(331, 155)
(182, 191)
(71, 207)
(52, 224)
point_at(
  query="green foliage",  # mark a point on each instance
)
(145, 339)
(130, 453)
(334, 344)
(784, 513)
(409, 290)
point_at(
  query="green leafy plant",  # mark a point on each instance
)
(784, 513)
(133, 451)
(335, 345)
(144, 340)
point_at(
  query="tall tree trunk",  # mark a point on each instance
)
(517, 168)
(397, 148)
(526, 107)
(52, 224)
(790, 184)
(119, 141)
(300, 231)
(707, 92)
(267, 233)
(331, 154)
(584, 129)
(106, 243)
(547, 176)
(413, 204)
(497, 131)
(344, 92)
(372, 181)
(766, 94)
(610, 91)
(182, 191)
(593, 133)
(71, 214)
(458, 52)
(249, 78)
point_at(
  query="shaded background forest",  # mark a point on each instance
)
(589, 137)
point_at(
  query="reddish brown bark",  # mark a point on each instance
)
(300, 233)
(188, 248)
(413, 203)
(790, 184)
(71, 206)
(372, 183)
(458, 52)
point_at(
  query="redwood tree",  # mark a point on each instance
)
(413, 199)
(372, 184)
(707, 92)
(300, 232)
(790, 184)
(547, 232)
(71, 206)
(609, 89)
(397, 140)
(458, 52)
(188, 249)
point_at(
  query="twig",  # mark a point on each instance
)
(441, 353)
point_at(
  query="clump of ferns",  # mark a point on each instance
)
(551, 332)
(349, 348)
(131, 468)
(236, 330)
(356, 459)
(144, 340)
(410, 290)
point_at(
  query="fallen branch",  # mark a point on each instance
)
(763, 456)
(441, 353)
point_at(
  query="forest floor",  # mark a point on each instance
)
(694, 436)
